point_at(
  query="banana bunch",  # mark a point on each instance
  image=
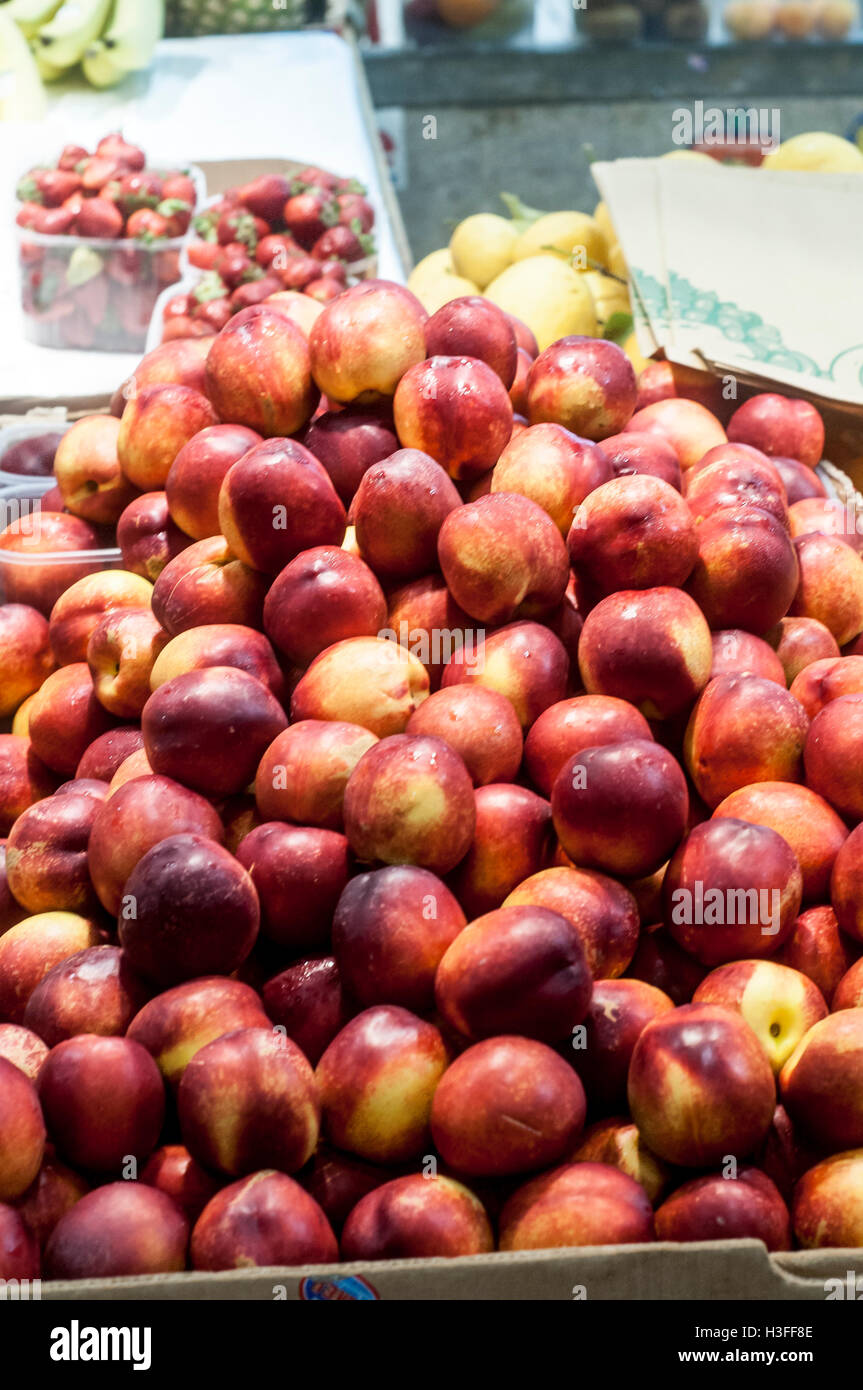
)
(22, 97)
(109, 38)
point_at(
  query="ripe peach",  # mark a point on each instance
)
(39, 586)
(259, 374)
(368, 681)
(22, 1132)
(87, 469)
(94, 991)
(830, 586)
(31, 948)
(55, 1191)
(135, 765)
(578, 1204)
(635, 532)
(513, 838)
(649, 646)
(506, 1105)
(175, 1025)
(776, 424)
(570, 726)
(424, 617)
(739, 653)
(78, 612)
(391, 929)
(24, 779)
(303, 774)
(744, 729)
(376, 1081)
(103, 1099)
(410, 800)
(621, 807)
(156, 423)
(603, 912)
(586, 384)
(121, 652)
(147, 537)
(108, 751)
(398, 510)
(472, 326)
(827, 517)
(189, 909)
(632, 453)
(277, 501)
(515, 970)
(845, 885)
(324, 595)
(700, 1086)
(617, 1143)
(181, 362)
(195, 477)
(732, 891)
(25, 655)
(299, 873)
(174, 1171)
(779, 1004)
(554, 468)
(716, 1207)
(138, 815)
(46, 855)
(206, 583)
(746, 574)
(417, 1217)
(457, 410)
(823, 681)
(524, 661)
(822, 1082)
(818, 949)
(210, 728)
(120, 1229)
(247, 1101)
(366, 340)
(308, 1002)
(618, 1013)
(338, 1181)
(798, 479)
(848, 993)
(218, 644)
(265, 1219)
(830, 755)
(65, 718)
(690, 428)
(347, 442)
(660, 381)
(800, 816)
(479, 724)
(503, 558)
(23, 1048)
(732, 475)
(828, 1209)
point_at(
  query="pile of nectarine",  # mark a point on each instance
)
(445, 831)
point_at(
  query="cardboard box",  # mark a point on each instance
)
(715, 1270)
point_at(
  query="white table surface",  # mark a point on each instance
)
(279, 96)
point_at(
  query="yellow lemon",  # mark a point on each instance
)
(548, 295)
(616, 263)
(482, 246)
(818, 152)
(566, 232)
(436, 290)
(430, 267)
(609, 296)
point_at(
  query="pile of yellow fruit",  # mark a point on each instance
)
(560, 273)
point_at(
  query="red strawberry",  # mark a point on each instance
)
(336, 270)
(180, 186)
(124, 265)
(177, 306)
(343, 243)
(203, 254)
(147, 225)
(323, 289)
(116, 148)
(355, 212)
(254, 291)
(243, 227)
(96, 172)
(275, 249)
(99, 218)
(307, 216)
(75, 203)
(177, 214)
(312, 176)
(299, 272)
(265, 196)
(139, 190)
(234, 265)
(186, 328)
(54, 221)
(56, 186)
(72, 156)
(215, 313)
(28, 213)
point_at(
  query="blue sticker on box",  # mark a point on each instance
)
(342, 1286)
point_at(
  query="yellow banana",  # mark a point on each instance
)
(30, 15)
(22, 96)
(135, 28)
(66, 38)
(99, 68)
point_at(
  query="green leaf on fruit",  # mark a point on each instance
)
(253, 272)
(618, 327)
(522, 215)
(330, 215)
(27, 191)
(210, 286)
(84, 264)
